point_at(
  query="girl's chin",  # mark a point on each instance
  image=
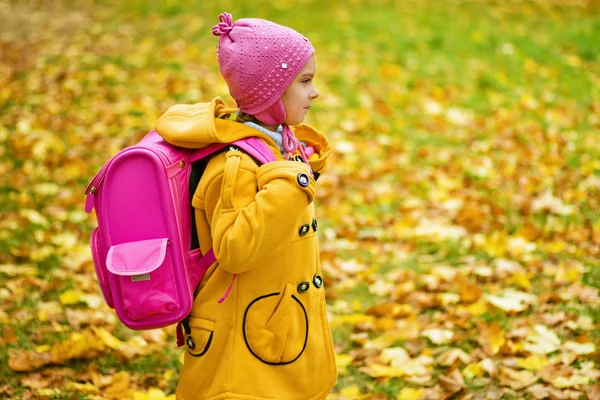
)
(297, 121)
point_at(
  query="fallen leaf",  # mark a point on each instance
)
(516, 379)
(473, 370)
(438, 336)
(409, 394)
(453, 356)
(491, 338)
(532, 363)
(541, 340)
(562, 382)
(512, 300)
(580, 348)
(453, 382)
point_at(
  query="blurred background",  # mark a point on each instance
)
(459, 217)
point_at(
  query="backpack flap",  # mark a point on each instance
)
(140, 274)
(137, 258)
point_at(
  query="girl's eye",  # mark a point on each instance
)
(306, 81)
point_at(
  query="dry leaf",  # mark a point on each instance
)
(491, 338)
(541, 340)
(512, 300)
(453, 382)
(438, 336)
(516, 379)
(408, 393)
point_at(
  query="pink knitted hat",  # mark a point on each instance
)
(259, 59)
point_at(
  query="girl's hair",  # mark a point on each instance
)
(241, 117)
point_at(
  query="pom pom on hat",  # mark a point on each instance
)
(258, 60)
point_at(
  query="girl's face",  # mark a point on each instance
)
(298, 97)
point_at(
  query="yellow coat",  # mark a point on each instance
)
(270, 338)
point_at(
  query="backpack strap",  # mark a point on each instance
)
(251, 145)
(256, 148)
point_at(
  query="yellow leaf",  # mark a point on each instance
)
(473, 370)
(350, 392)
(516, 379)
(409, 394)
(351, 319)
(541, 340)
(107, 338)
(495, 244)
(151, 394)
(395, 356)
(34, 217)
(580, 348)
(387, 339)
(18, 270)
(65, 241)
(83, 387)
(491, 338)
(519, 279)
(343, 361)
(501, 77)
(71, 297)
(512, 300)
(532, 363)
(451, 356)
(48, 392)
(79, 345)
(555, 247)
(568, 274)
(120, 386)
(42, 348)
(390, 71)
(575, 380)
(383, 371)
(438, 336)
(356, 305)
(478, 308)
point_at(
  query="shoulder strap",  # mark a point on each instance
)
(251, 145)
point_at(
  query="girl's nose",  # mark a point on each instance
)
(315, 93)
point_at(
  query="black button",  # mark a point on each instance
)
(317, 280)
(303, 179)
(314, 224)
(303, 287)
(304, 229)
(190, 343)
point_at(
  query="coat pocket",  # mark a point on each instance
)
(200, 337)
(276, 327)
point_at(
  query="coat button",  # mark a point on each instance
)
(303, 179)
(303, 287)
(317, 281)
(190, 343)
(304, 230)
(314, 224)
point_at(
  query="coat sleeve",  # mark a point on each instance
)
(255, 214)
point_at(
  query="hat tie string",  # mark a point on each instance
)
(224, 26)
(291, 145)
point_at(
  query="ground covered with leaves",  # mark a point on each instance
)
(460, 223)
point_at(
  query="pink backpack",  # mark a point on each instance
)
(145, 248)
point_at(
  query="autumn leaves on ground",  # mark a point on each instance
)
(459, 219)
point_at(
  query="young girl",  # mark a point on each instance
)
(258, 328)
